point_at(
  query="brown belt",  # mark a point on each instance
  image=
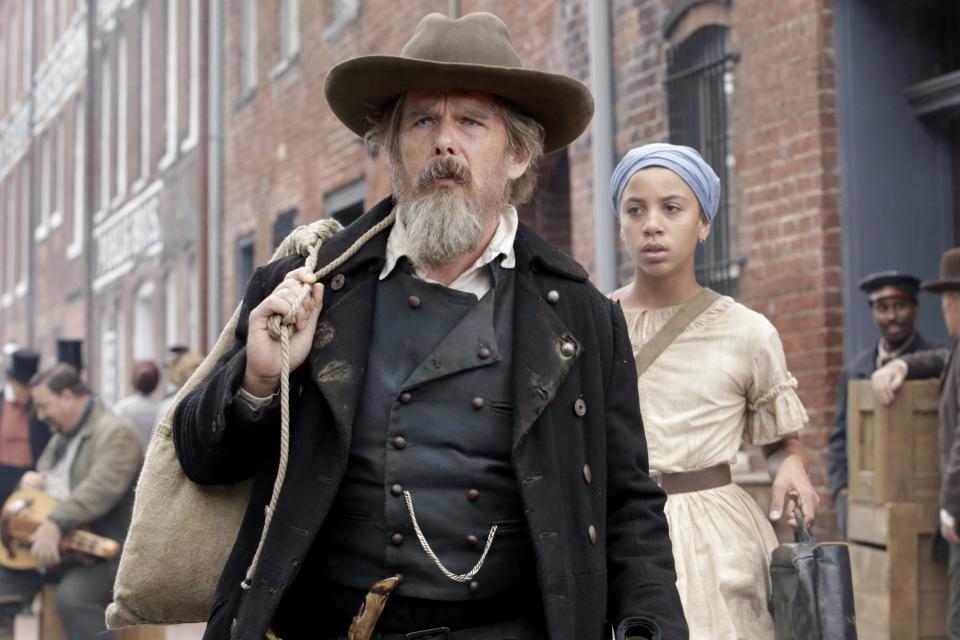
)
(699, 480)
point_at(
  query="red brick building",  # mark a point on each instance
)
(103, 111)
(43, 102)
(147, 197)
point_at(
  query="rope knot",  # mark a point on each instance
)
(305, 241)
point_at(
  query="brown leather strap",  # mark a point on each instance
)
(669, 332)
(699, 480)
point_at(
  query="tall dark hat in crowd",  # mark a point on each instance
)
(23, 365)
(471, 53)
(949, 273)
(890, 284)
(70, 352)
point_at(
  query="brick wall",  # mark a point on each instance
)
(784, 121)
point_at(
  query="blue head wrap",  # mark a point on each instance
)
(686, 162)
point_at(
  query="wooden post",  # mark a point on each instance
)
(900, 591)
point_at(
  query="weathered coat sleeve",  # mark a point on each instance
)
(950, 417)
(926, 364)
(639, 552)
(117, 458)
(219, 438)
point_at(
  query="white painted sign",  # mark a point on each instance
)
(127, 235)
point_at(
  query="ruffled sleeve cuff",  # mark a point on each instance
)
(774, 414)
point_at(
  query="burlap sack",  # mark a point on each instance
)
(181, 533)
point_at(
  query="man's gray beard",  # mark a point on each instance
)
(441, 226)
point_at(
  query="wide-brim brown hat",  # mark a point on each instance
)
(949, 273)
(472, 53)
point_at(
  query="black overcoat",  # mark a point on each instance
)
(595, 517)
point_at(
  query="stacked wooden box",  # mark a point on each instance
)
(900, 592)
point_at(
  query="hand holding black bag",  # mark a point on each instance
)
(812, 589)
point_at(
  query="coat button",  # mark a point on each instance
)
(568, 349)
(553, 297)
(473, 540)
(396, 490)
(413, 301)
(399, 442)
(587, 473)
(473, 495)
(397, 539)
(592, 534)
(405, 398)
(477, 403)
(580, 407)
(474, 586)
(338, 281)
(483, 353)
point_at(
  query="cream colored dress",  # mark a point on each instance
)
(723, 380)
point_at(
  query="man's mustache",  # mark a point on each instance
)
(445, 168)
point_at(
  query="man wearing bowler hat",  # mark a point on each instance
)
(22, 435)
(463, 401)
(892, 296)
(944, 363)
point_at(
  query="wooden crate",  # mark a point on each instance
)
(893, 451)
(899, 591)
(50, 627)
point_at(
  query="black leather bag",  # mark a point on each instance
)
(812, 589)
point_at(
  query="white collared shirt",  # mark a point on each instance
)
(477, 278)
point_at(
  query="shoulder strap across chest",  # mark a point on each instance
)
(673, 328)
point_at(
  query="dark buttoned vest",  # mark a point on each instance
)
(435, 422)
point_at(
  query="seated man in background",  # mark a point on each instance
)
(892, 296)
(88, 468)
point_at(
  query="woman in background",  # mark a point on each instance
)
(139, 407)
(721, 381)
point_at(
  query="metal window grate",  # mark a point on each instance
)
(698, 81)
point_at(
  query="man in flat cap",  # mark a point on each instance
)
(464, 408)
(943, 363)
(892, 296)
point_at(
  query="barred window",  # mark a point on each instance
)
(699, 81)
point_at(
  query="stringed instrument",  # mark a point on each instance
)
(23, 512)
